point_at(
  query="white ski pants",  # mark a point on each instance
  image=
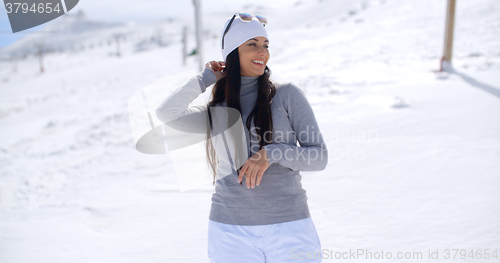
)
(294, 241)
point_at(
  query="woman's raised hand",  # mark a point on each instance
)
(217, 67)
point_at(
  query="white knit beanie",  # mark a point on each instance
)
(239, 33)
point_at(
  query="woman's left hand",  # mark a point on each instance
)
(254, 168)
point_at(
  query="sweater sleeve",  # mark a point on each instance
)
(312, 155)
(174, 110)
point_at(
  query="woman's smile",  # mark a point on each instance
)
(259, 63)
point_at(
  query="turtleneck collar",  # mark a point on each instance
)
(248, 85)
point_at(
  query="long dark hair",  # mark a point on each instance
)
(228, 89)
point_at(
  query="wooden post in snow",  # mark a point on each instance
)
(199, 48)
(184, 45)
(117, 40)
(448, 40)
(40, 46)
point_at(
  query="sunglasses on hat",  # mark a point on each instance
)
(246, 18)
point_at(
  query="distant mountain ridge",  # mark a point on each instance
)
(55, 35)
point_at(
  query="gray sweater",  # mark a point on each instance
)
(279, 197)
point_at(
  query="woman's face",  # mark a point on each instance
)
(254, 55)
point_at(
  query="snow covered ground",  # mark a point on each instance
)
(414, 155)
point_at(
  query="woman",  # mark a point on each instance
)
(259, 211)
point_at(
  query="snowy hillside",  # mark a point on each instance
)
(76, 34)
(413, 153)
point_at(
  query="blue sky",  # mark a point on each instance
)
(6, 35)
(137, 11)
(127, 10)
(108, 11)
